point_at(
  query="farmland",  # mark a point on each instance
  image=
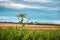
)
(30, 32)
(37, 27)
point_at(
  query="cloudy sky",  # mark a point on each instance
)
(37, 10)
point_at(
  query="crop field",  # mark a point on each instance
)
(29, 32)
(33, 27)
(11, 33)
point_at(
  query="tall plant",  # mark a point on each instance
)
(21, 18)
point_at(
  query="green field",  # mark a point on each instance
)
(25, 34)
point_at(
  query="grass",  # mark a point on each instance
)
(11, 33)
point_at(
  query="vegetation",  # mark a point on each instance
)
(10, 33)
(21, 18)
(16, 33)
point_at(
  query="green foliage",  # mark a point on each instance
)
(18, 34)
(21, 18)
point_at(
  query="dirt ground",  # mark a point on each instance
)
(33, 27)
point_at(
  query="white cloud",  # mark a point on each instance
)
(9, 17)
(54, 21)
(6, 17)
(48, 8)
(4, 0)
(13, 5)
(52, 2)
(54, 8)
(47, 21)
(41, 1)
(14, 19)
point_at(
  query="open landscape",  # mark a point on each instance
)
(33, 27)
(9, 31)
(29, 31)
(29, 19)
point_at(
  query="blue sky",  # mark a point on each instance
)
(37, 10)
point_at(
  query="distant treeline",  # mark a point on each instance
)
(10, 22)
(33, 23)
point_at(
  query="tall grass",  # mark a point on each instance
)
(18, 34)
